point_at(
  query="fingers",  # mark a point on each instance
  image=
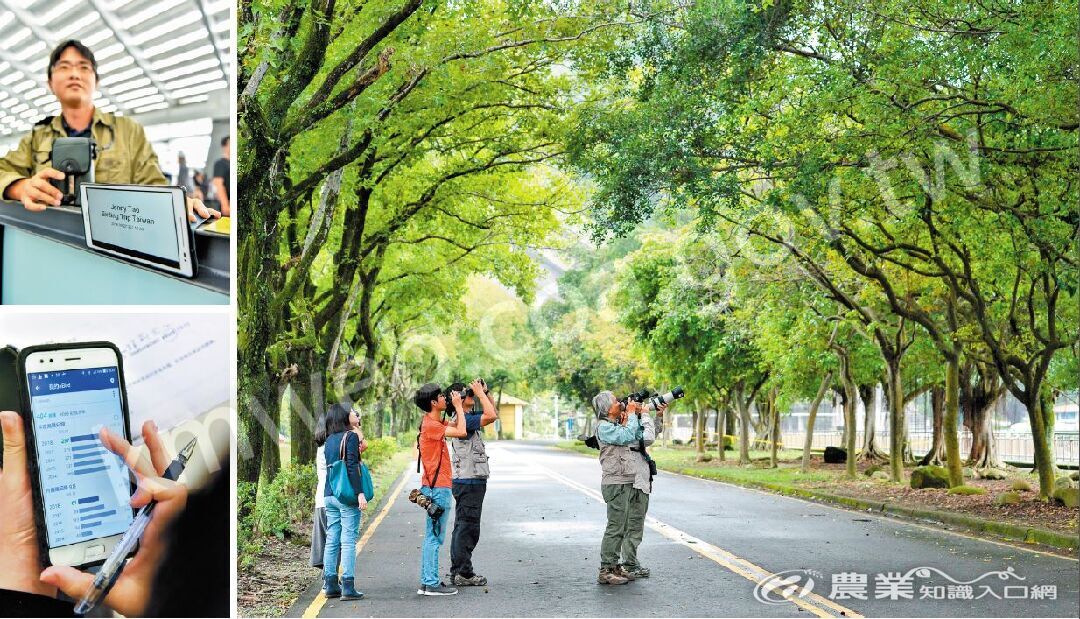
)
(50, 173)
(46, 192)
(131, 456)
(67, 579)
(196, 205)
(39, 194)
(15, 471)
(158, 489)
(158, 456)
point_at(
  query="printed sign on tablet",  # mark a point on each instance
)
(141, 222)
(144, 224)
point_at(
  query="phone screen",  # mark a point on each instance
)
(84, 486)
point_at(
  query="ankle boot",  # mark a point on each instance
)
(348, 592)
(330, 586)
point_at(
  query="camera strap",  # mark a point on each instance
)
(645, 454)
(437, 468)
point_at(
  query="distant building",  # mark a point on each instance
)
(510, 423)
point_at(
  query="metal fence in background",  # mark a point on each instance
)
(1012, 446)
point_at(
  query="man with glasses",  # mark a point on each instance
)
(124, 155)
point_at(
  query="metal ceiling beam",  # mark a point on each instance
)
(205, 11)
(22, 67)
(44, 36)
(112, 23)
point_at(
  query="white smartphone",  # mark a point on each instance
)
(82, 489)
(146, 224)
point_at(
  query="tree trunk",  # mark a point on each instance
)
(271, 458)
(763, 427)
(870, 450)
(809, 441)
(721, 416)
(952, 440)
(894, 394)
(1040, 406)
(937, 444)
(699, 434)
(849, 392)
(980, 389)
(775, 439)
(306, 403)
(744, 427)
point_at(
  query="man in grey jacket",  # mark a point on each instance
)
(468, 457)
(625, 484)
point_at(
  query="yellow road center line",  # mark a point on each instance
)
(726, 559)
(316, 605)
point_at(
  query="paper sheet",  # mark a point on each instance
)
(176, 365)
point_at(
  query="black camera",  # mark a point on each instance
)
(637, 396)
(432, 508)
(467, 392)
(75, 158)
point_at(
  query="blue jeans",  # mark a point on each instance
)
(342, 528)
(429, 558)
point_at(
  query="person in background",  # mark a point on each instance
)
(183, 174)
(221, 178)
(342, 518)
(318, 521)
(201, 188)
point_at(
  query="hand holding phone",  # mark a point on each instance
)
(20, 561)
(131, 593)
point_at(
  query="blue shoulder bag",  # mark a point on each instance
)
(337, 476)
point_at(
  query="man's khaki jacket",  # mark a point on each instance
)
(124, 155)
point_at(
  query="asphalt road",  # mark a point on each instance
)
(712, 549)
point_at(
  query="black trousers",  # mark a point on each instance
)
(468, 504)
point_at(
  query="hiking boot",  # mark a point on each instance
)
(636, 571)
(330, 587)
(622, 571)
(439, 589)
(608, 576)
(476, 580)
(348, 591)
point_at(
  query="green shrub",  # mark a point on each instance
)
(1020, 485)
(1008, 498)
(380, 450)
(247, 542)
(287, 500)
(966, 490)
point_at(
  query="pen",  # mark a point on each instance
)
(112, 567)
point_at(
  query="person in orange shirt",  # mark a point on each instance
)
(436, 480)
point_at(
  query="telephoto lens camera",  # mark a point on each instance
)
(75, 158)
(424, 501)
(667, 398)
